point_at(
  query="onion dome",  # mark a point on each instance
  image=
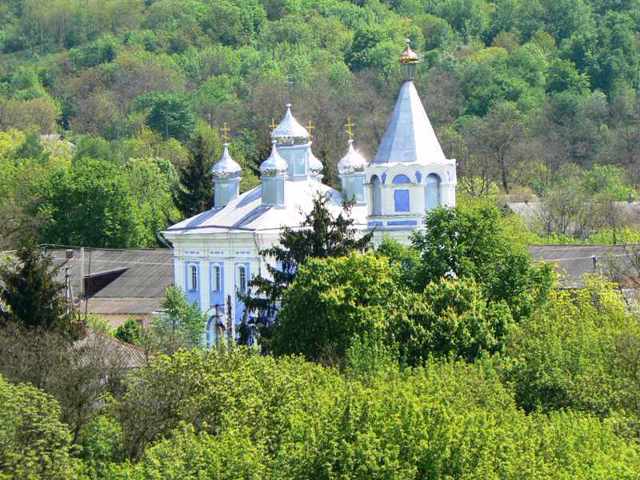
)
(409, 56)
(226, 167)
(315, 165)
(352, 162)
(289, 129)
(275, 164)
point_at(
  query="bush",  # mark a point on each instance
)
(34, 443)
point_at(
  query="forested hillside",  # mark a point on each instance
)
(526, 94)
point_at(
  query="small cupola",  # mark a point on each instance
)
(226, 174)
(289, 131)
(352, 176)
(273, 174)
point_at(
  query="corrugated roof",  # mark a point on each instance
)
(409, 137)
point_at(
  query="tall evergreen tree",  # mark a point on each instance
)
(321, 235)
(30, 295)
(195, 192)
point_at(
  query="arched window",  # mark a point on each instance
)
(432, 191)
(376, 196)
(216, 278)
(192, 280)
(401, 180)
(242, 278)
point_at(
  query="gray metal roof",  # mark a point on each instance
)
(275, 164)
(140, 288)
(409, 137)
(572, 262)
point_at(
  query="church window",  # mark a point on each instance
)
(401, 200)
(432, 191)
(299, 167)
(216, 278)
(376, 196)
(193, 278)
(401, 180)
(242, 278)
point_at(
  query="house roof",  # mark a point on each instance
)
(409, 137)
(125, 281)
(248, 213)
(574, 261)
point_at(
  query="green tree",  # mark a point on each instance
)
(35, 443)
(90, 205)
(333, 300)
(472, 243)
(195, 191)
(180, 325)
(130, 332)
(30, 294)
(453, 318)
(171, 116)
(320, 235)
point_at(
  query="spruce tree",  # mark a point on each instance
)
(321, 235)
(195, 192)
(30, 295)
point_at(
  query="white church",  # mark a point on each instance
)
(217, 252)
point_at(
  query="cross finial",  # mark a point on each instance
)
(273, 124)
(310, 128)
(408, 42)
(225, 132)
(349, 128)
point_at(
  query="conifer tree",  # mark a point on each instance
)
(30, 295)
(195, 192)
(321, 235)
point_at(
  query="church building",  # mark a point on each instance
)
(217, 252)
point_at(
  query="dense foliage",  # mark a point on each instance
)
(519, 91)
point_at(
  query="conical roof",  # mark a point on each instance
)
(409, 137)
(289, 127)
(353, 161)
(275, 164)
(226, 167)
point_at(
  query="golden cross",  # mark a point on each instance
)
(225, 132)
(310, 128)
(349, 127)
(273, 124)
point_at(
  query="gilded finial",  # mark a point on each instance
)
(225, 132)
(349, 128)
(408, 56)
(273, 124)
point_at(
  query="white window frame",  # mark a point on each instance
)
(192, 277)
(216, 277)
(243, 283)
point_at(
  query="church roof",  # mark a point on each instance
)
(289, 127)
(247, 212)
(226, 167)
(353, 161)
(409, 137)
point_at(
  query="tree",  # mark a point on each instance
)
(453, 318)
(180, 325)
(320, 235)
(91, 205)
(30, 294)
(472, 243)
(171, 116)
(195, 191)
(35, 443)
(130, 332)
(333, 300)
